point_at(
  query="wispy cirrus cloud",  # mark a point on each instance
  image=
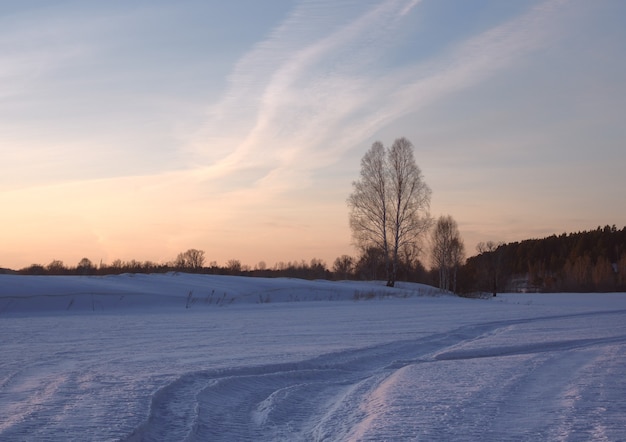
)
(315, 87)
(296, 87)
(22, 63)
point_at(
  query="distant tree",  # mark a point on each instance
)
(578, 273)
(371, 264)
(389, 203)
(234, 266)
(411, 268)
(491, 263)
(117, 265)
(342, 267)
(34, 269)
(195, 258)
(192, 259)
(85, 267)
(448, 252)
(181, 261)
(56, 267)
(603, 275)
(316, 269)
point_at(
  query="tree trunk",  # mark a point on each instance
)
(391, 278)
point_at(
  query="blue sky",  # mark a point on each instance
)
(139, 129)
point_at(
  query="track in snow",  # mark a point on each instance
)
(476, 381)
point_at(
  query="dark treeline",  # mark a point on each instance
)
(590, 261)
(370, 266)
(315, 269)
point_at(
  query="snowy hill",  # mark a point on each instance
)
(177, 290)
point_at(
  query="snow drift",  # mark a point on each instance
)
(115, 292)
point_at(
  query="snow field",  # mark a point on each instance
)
(517, 367)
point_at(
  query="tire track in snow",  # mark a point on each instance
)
(592, 403)
(550, 390)
(350, 394)
(47, 395)
(288, 401)
(531, 348)
(574, 393)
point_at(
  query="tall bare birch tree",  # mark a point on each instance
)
(389, 203)
(447, 251)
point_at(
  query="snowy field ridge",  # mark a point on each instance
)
(117, 292)
(136, 358)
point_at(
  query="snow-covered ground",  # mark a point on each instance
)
(196, 357)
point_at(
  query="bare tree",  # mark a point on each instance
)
(389, 203)
(447, 251)
(411, 197)
(55, 267)
(195, 258)
(409, 259)
(191, 259)
(234, 266)
(85, 267)
(343, 266)
(369, 203)
(370, 263)
(262, 266)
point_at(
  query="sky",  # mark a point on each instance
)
(140, 129)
